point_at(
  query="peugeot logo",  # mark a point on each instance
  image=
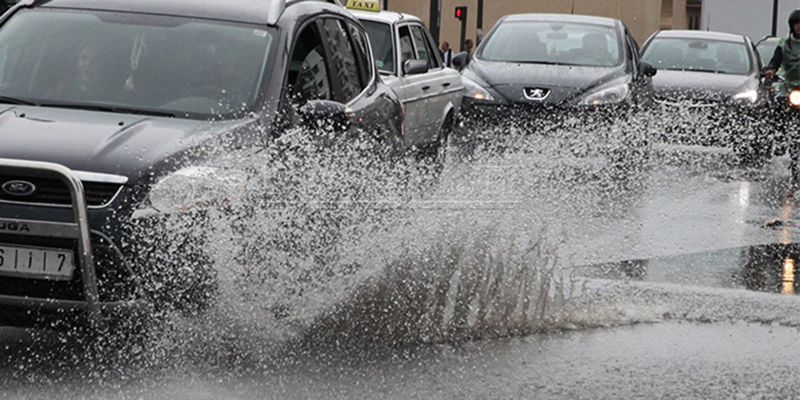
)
(536, 94)
(19, 188)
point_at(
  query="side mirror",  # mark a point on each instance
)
(647, 69)
(460, 60)
(325, 115)
(414, 67)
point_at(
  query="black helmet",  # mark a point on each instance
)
(794, 18)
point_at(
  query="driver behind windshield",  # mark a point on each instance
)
(93, 78)
(595, 47)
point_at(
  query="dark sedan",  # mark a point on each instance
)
(110, 113)
(548, 67)
(534, 61)
(710, 84)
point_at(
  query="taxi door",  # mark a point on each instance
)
(415, 90)
(445, 87)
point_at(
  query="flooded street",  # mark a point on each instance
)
(513, 276)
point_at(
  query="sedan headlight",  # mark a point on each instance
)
(750, 96)
(196, 188)
(475, 91)
(612, 95)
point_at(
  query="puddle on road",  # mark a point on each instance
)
(764, 268)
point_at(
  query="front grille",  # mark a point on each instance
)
(53, 191)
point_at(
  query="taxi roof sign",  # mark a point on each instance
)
(364, 5)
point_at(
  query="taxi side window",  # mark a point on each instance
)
(424, 52)
(436, 56)
(406, 48)
(345, 78)
(308, 70)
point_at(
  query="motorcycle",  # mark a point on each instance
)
(786, 106)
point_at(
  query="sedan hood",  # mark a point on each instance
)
(682, 85)
(564, 81)
(121, 144)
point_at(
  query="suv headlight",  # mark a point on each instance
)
(475, 91)
(196, 188)
(749, 96)
(612, 95)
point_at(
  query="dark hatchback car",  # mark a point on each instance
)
(532, 64)
(108, 108)
(710, 84)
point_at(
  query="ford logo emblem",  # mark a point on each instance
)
(19, 188)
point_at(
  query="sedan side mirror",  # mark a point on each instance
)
(647, 69)
(415, 67)
(460, 60)
(325, 114)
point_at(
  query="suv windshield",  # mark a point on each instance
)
(698, 55)
(146, 64)
(553, 43)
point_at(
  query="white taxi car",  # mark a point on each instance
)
(411, 64)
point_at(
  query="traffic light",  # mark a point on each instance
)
(461, 13)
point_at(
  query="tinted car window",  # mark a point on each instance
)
(362, 53)
(698, 55)
(380, 37)
(308, 71)
(345, 77)
(560, 43)
(188, 67)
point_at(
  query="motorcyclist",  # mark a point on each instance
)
(786, 58)
(786, 64)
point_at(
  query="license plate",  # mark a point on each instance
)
(36, 263)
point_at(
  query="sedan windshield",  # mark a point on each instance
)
(553, 43)
(699, 55)
(144, 64)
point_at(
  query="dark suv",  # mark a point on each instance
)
(107, 106)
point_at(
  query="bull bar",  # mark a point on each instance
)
(78, 230)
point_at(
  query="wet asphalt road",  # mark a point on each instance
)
(697, 233)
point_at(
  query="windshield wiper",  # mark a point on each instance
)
(550, 63)
(114, 109)
(14, 100)
(713, 71)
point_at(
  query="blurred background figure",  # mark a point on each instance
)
(468, 45)
(447, 55)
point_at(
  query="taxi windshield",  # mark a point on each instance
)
(553, 43)
(134, 63)
(699, 55)
(380, 37)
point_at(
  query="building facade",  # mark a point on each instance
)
(754, 18)
(643, 17)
